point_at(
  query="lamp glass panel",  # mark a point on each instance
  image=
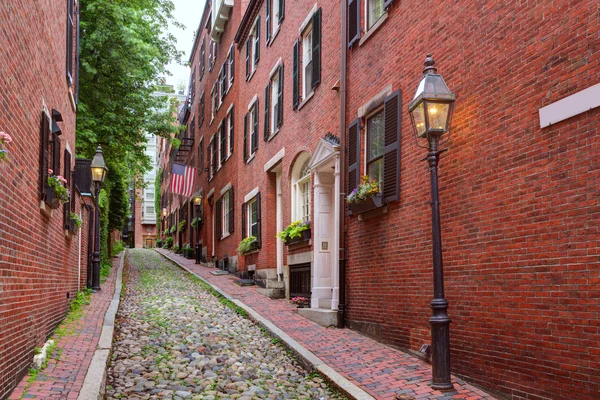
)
(419, 119)
(97, 174)
(438, 115)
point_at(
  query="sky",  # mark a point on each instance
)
(187, 12)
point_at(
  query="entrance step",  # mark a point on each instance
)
(272, 293)
(322, 316)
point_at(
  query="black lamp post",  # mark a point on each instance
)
(98, 175)
(197, 203)
(431, 112)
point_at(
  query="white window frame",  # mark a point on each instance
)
(274, 17)
(378, 110)
(306, 59)
(255, 44)
(213, 102)
(249, 204)
(230, 64)
(374, 23)
(218, 139)
(225, 214)
(251, 132)
(297, 188)
(229, 132)
(273, 104)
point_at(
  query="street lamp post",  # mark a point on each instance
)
(431, 113)
(98, 175)
(197, 203)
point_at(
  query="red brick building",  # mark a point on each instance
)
(43, 256)
(268, 101)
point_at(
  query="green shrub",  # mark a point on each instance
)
(117, 248)
(247, 245)
(168, 243)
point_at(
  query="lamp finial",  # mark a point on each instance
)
(429, 68)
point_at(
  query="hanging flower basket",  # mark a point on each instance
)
(368, 204)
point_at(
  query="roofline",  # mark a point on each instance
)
(245, 22)
(197, 38)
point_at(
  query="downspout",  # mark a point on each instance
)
(342, 208)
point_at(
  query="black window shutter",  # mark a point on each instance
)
(387, 4)
(248, 44)
(200, 158)
(257, 49)
(258, 228)
(202, 113)
(202, 57)
(231, 127)
(268, 22)
(295, 76)
(67, 205)
(219, 218)
(223, 134)
(316, 48)
(244, 219)
(44, 133)
(267, 102)
(280, 98)
(231, 210)
(255, 136)
(246, 137)
(231, 65)
(55, 154)
(70, 29)
(353, 22)
(281, 9)
(391, 151)
(214, 154)
(353, 155)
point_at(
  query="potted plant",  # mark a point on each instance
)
(173, 230)
(188, 252)
(4, 140)
(75, 222)
(300, 302)
(158, 243)
(55, 190)
(248, 245)
(365, 197)
(296, 232)
(195, 222)
(182, 225)
(168, 243)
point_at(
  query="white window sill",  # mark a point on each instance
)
(374, 28)
(251, 75)
(310, 96)
(225, 235)
(211, 120)
(274, 35)
(273, 134)
(250, 158)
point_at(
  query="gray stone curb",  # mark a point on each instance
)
(306, 357)
(93, 385)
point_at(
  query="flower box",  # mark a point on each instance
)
(304, 237)
(49, 197)
(70, 225)
(370, 203)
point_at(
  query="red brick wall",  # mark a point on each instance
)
(38, 264)
(519, 204)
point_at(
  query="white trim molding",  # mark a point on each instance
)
(568, 107)
(274, 160)
(252, 194)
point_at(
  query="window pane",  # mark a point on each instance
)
(306, 201)
(375, 171)
(375, 11)
(375, 130)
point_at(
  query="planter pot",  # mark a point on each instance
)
(50, 198)
(304, 237)
(70, 225)
(369, 204)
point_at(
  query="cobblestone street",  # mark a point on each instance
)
(176, 340)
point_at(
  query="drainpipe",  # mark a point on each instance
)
(342, 209)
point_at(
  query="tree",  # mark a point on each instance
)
(125, 48)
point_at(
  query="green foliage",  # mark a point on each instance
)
(188, 252)
(294, 230)
(157, 192)
(168, 243)
(182, 225)
(124, 49)
(247, 245)
(158, 243)
(195, 222)
(175, 143)
(77, 219)
(103, 202)
(117, 247)
(176, 248)
(60, 190)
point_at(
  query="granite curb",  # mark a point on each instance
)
(93, 385)
(305, 356)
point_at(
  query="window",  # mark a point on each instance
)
(274, 103)
(274, 17)
(213, 102)
(230, 65)
(225, 214)
(70, 32)
(223, 141)
(301, 188)
(253, 218)
(212, 54)
(251, 131)
(375, 132)
(382, 153)
(202, 62)
(306, 72)
(218, 93)
(193, 85)
(201, 156)
(375, 10)
(201, 110)
(230, 130)
(253, 48)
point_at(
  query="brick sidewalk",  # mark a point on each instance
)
(380, 370)
(63, 379)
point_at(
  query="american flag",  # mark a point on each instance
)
(182, 179)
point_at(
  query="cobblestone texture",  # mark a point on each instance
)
(175, 340)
